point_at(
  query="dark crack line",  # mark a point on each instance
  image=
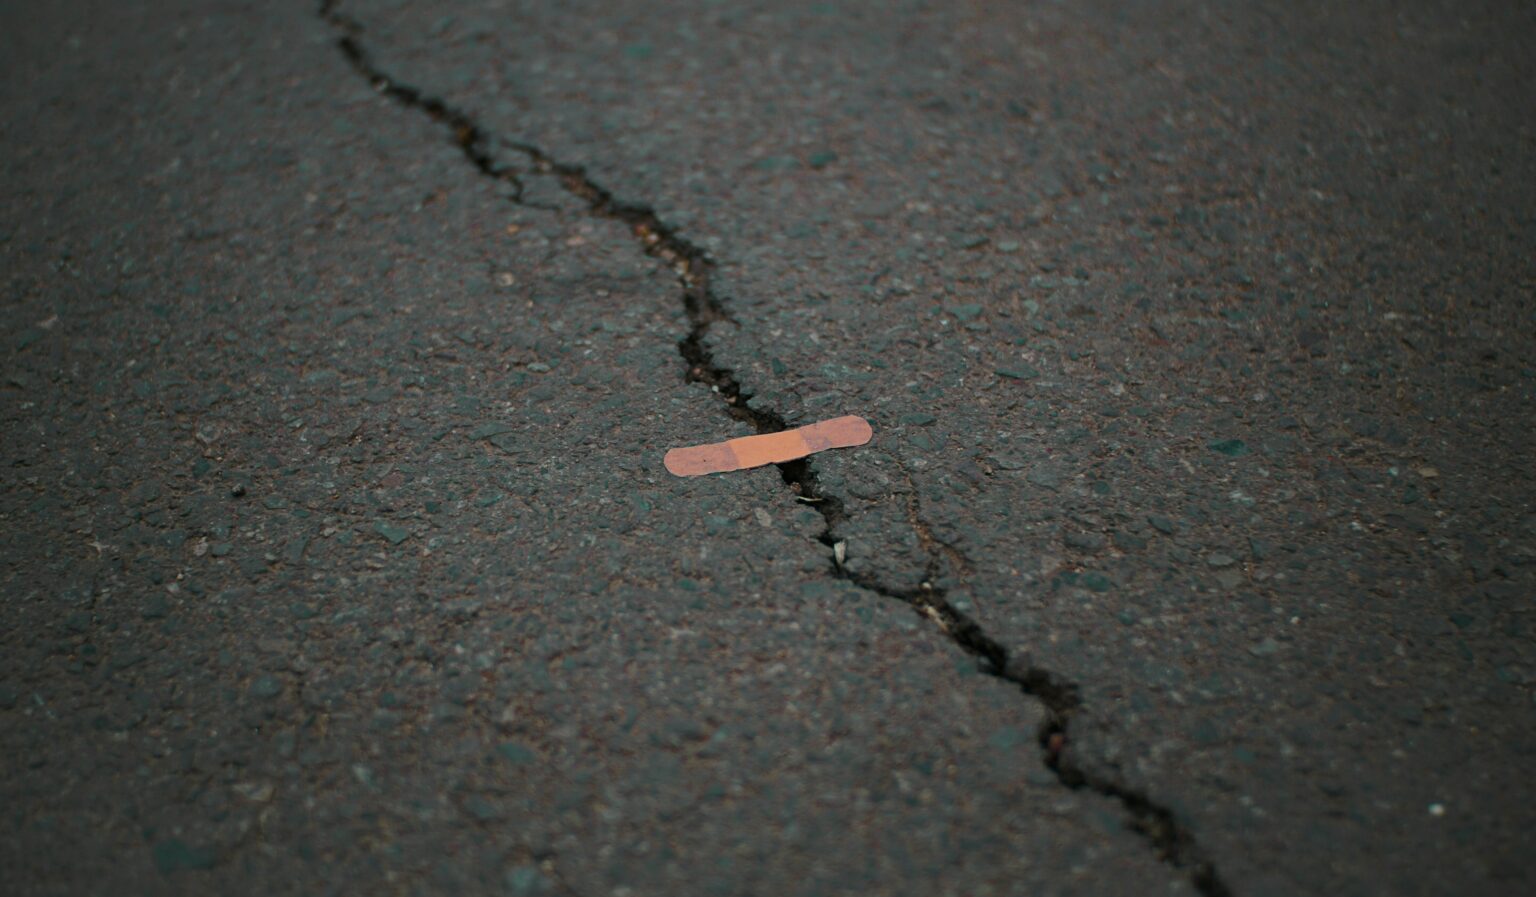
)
(468, 136)
(1173, 843)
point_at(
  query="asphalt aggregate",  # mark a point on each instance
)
(1194, 552)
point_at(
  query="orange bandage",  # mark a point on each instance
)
(769, 448)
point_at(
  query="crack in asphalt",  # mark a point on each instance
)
(931, 543)
(1171, 840)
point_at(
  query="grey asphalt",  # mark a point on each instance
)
(1194, 552)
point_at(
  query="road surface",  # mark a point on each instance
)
(1194, 551)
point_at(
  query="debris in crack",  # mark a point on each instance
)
(1173, 843)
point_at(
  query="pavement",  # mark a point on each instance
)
(1194, 552)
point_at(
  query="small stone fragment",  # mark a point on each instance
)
(395, 534)
(266, 686)
(821, 158)
(259, 792)
(516, 754)
(1085, 541)
(175, 855)
(526, 880)
(1044, 475)
(1095, 581)
(155, 607)
(480, 808)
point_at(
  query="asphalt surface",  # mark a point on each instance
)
(1194, 552)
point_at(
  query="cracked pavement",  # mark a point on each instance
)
(1193, 553)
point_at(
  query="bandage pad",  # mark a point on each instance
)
(768, 448)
